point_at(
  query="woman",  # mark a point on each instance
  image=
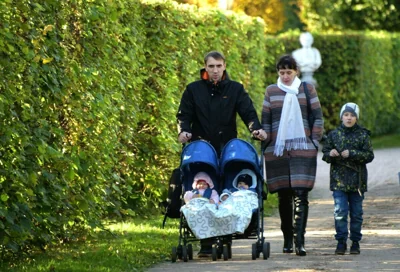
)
(291, 149)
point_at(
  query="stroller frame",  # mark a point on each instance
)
(237, 154)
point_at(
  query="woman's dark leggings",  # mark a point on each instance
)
(293, 218)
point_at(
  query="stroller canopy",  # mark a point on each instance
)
(199, 152)
(237, 150)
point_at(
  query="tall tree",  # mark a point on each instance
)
(272, 11)
(352, 14)
(292, 15)
(278, 16)
(316, 15)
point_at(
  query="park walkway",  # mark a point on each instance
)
(380, 247)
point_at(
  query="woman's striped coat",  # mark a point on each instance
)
(295, 169)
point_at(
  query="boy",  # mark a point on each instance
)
(348, 149)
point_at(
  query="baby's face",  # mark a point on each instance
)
(201, 184)
(225, 197)
(242, 185)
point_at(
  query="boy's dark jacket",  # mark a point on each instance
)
(345, 172)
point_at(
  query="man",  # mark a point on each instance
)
(208, 111)
(208, 106)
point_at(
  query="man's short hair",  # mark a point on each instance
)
(215, 55)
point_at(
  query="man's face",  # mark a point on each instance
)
(215, 68)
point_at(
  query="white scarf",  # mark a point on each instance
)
(291, 133)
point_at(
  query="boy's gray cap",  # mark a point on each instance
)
(350, 107)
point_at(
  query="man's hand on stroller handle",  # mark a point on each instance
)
(260, 134)
(184, 136)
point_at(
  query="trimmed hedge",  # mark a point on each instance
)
(88, 102)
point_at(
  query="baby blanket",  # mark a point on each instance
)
(210, 220)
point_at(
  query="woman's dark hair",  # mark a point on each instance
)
(286, 62)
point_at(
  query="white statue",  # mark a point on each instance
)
(308, 58)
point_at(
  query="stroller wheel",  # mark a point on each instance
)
(173, 254)
(254, 251)
(179, 252)
(214, 252)
(259, 248)
(190, 251)
(219, 250)
(184, 254)
(266, 250)
(225, 252)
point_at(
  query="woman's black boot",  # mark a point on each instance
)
(300, 220)
(286, 214)
(300, 250)
(288, 243)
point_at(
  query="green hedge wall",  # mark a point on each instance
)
(88, 102)
(67, 104)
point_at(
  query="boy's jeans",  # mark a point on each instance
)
(345, 203)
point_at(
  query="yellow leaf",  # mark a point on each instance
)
(47, 29)
(35, 43)
(47, 60)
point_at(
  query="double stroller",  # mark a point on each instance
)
(237, 155)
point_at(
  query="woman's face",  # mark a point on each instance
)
(287, 76)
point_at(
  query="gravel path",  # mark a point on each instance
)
(380, 246)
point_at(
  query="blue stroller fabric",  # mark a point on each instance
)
(199, 156)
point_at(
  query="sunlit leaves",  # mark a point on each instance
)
(4, 197)
(326, 15)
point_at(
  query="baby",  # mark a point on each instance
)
(245, 180)
(224, 196)
(202, 187)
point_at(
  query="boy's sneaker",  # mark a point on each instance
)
(341, 248)
(355, 248)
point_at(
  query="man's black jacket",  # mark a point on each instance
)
(208, 110)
